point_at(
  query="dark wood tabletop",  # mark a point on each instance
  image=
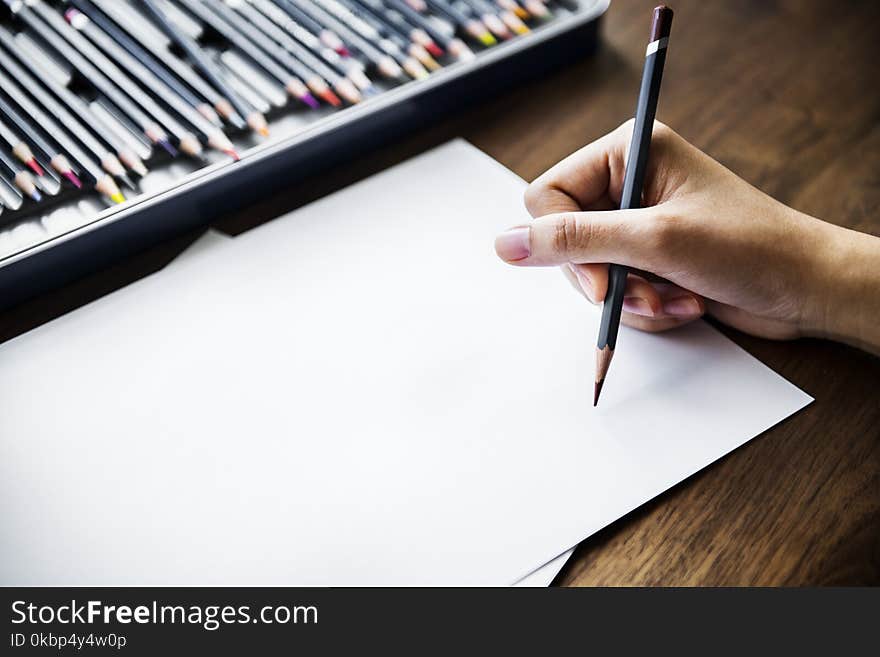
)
(785, 94)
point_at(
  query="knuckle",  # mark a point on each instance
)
(570, 235)
(532, 197)
(663, 231)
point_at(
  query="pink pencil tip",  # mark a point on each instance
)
(311, 101)
(343, 51)
(434, 49)
(71, 176)
(34, 166)
(231, 152)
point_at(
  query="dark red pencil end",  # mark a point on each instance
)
(661, 26)
(434, 49)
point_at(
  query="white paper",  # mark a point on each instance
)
(357, 393)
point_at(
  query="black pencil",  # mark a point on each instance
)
(76, 105)
(633, 181)
(238, 109)
(135, 49)
(88, 71)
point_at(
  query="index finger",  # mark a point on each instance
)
(588, 179)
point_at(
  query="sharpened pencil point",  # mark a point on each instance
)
(330, 97)
(117, 198)
(128, 182)
(71, 176)
(310, 100)
(597, 391)
(231, 152)
(34, 166)
(164, 143)
(35, 196)
(343, 51)
(434, 49)
(487, 39)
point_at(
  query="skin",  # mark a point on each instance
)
(705, 242)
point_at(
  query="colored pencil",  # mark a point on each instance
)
(395, 18)
(384, 63)
(343, 86)
(104, 183)
(254, 119)
(327, 36)
(466, 21)
(450, 43)
(633, 182)
(20, 149)
(81, 133)
(92, 75)
(277, 51)
(21, 177)
(57, 159)
(347, 66)
(209, 132)
(77, 106)
(294, 86)
(134, 49)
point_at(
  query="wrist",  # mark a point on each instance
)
(846, 306)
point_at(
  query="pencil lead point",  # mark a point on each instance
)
(117, 197)
(231, 152)
(128, 182)
(310, 100)
(164, 143)
(597, 391)
(34, 166)
(35, 195)
(71, 176)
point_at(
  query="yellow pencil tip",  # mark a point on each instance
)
(117, 197)
(264, 132)
(522, 29)
(487, 39)
(522, 13)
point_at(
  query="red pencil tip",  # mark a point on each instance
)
(331, 98)
(71, 176)
(342, 50)
(434, 49)
(34, 166)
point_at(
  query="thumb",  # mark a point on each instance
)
(628, 237)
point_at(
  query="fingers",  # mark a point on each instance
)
(638, 238)
(646, 306)
(581, 179)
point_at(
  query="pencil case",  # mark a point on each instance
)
(52, 258)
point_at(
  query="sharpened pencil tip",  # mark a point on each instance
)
(231, 152)
(34, 166)
(164, 143)
(71, 176)
(117, 197)
(597, 391)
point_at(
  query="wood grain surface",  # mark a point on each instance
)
(785, 93)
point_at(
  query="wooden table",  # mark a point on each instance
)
(785, 94)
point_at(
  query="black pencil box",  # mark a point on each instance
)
(202, 196)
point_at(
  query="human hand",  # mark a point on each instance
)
(722, 246)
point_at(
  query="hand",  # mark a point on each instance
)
(721, 246)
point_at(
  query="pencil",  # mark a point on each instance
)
(83, 135)
(384, 63)
(490, 15)
(465, 19)
(258, 37)
(76, 105)
(20, 149)
(328, 37)
(393, 17)
(90, 73)
(347, 66)
(104, 183)
(234, 108)
(209, 132)
(386, 30)
(633, 182)
(159, 70)
(375, 35)
(341, 85)
(451, 44)
(21, 177)
(292, 84)
(57, 159)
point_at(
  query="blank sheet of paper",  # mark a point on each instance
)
(359, 392)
